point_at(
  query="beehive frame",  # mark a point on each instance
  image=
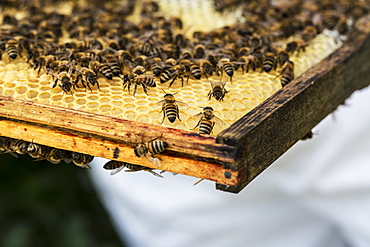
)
(234, 157)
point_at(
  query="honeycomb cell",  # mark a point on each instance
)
(9, 84)
(130, 115)
(32, 94)
(68, 99)
(81, 101)
(44, 95)
(92, 105)
(105, 108)
(56, 97)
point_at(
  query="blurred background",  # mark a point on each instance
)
(50, 205)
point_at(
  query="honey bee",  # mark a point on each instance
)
(5, 146)
(309, 33)
(282, 57)
(19, 146)
(195, 70)
(250, 61)
(157, 69)
(207, 121)
(117, 166)
(287, 73)
(218, 90)
(82, 160)
(37, 151)
(297, 45)
(150, 149)
(88, 76)
(65, 79)
(138, 77)
(55, 156)
(269, 62)
(12, 48)
(224, 64)
(206, 67)
(101, 68)
(170, 107)
(199, 51)
(177, 71)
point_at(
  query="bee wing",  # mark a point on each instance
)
(199, 115)
(160, 103)
(218, 121)
(154, 160)
(115, 171)
(180, 103)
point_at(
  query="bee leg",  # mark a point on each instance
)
(174, 78)
(55, 83)
(144, 88)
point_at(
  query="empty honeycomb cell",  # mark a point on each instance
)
(117, 103)
(130, 115)
(117, 111)
(32, 94)
(44, 95)
(81, 101)
(21, 89)
(93, 97)
(68, 99)
(9, 84)
(105, 108)
(228, 114)
(143, 118)
(104, 100)
(142, 109)
(92, 105)
(46, 88)
(57, 97)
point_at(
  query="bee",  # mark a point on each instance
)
(19, 146)
(177, 71)
(224, 64)
(297, 45)
(37, 151)
(287, 73)
(143, 80)
(309, 33)
(207, 121)
(269, 62)
(65, 79)
(195, 70)
(206, 67)
(170, 107)
(101, 68)
(56, 155)
(12, 48)
(150, 149)
(218, 90)
(88, 76)
(117, 166)
(5, 146)
(83, 58)
(43, 61)
(255, 42)
(250, 61)
(81, 160)
(282, 57)
(199, 51)
(157, 69)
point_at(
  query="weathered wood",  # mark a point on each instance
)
(71, 141)
(120, 130)
(269, 130)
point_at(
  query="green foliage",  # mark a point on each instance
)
(50, 205)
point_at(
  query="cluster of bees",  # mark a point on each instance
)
(42, 152)
(55, 156)
(79, 49)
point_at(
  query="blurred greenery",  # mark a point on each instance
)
(42, 204)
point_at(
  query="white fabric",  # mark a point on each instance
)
(317, 194)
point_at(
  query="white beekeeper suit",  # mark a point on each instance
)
(315, 195)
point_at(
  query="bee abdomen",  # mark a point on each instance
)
(156, 147)
(269, 62)
(205, 127)
(171, 112)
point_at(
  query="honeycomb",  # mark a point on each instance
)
(246, 91)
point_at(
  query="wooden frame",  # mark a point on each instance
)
(233, 158)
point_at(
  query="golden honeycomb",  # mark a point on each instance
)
(245, 92)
